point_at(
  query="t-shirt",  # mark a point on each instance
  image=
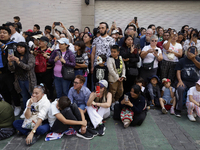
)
(103, 46)
(150, 57)
(189, 72)
(174, 48)
(100, 73)
(195, 94)
(17, 37)
(58, 66)
(52, 112)
(80, 59)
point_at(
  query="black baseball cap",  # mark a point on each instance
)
(44, 38)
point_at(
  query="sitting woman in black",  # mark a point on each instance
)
(133, 107)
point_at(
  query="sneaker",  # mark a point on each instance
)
(126, 122)
(101, 129)
(22, 116)
(191, 118)
(34, 140)
(178, 113)
(164, 111)
(17, 110)
(87, 135)
(93, 132)
(172, 111)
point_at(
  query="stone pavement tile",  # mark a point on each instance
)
(4, 142)
(70, 142)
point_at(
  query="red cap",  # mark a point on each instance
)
(165, 80)
(29, 30)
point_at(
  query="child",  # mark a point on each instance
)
(139, 81)
(116, 74)
(81, 60)
(167, 96)
(153, 91)
(193, 102)
(100, 70)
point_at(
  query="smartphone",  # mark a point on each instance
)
(156, 50)
(194, 36)
(56, 23)
(135, 18)
(192, 50)
(126, 97)
(97, 89)
(11, 52)
(58, 54)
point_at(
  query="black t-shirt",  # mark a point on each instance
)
(100, 73)
(189, 71)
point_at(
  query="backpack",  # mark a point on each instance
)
(40, 63)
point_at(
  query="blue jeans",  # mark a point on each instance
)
(24, 85)
(62, 86)
(81, 106)
(80, 72)
(40, 130)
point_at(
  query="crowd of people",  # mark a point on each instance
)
(71, 79)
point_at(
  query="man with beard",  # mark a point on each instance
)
(6, 77)
(101, 45)
(145, 40)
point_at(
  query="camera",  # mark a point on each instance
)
(56, 23)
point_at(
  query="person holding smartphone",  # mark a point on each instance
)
(133, 107)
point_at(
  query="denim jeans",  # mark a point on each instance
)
(24, 85)
(62, 86)
(44, 128)
(81, 106)
(80, 72)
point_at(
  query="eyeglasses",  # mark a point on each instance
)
(76, 83)
(130, 29)
(148, 33)
(154, 40)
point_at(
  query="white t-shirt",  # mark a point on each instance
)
(174, 48)
(196, 94)
(150, 57)
(17, 37)
(52, 112)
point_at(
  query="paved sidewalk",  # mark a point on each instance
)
(159, 131)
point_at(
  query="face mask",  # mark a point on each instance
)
(99, 60)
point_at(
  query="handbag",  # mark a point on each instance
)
(170, 56)
(31, 122)
(149, 66)
(133, 71)
(67, 72)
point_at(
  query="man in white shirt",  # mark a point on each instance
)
(15, 36)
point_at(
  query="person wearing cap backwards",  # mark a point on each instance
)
(15, 36)
(6, 77)
(98, 106)
(62, 56)
(23, 65)
(45, 76)
(193, 102)
(187, 73)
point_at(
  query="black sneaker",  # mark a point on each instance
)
(93, 132)
(87, 135)
(34, 140)
(178, 113)
(101, 129)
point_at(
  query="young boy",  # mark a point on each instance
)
(193, 101)
(153, 91)
(100, 70)
(140, 81)
(116, 74)
(17, 21)
(167, 96)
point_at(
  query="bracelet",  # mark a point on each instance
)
(29, 107)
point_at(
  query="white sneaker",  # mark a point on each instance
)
(191, 118)
(17, 110)
(22, 116)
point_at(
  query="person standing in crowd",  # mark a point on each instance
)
(36, 107)
(151, 55)
(160, 34)
(44, 70)
(79, 94)
(36, 29)
(81, 58)
(172, 52)
(101, 44)
(47, 30)
(6, 77)
(165, 37)
(23, 65)
(153, 27)
(98, 106)
(145, 40)
(17, 21)
(15, 36)
(187, 73)
(59, 57)
(129, 53)
(133, 110)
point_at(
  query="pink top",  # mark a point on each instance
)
(58, 67)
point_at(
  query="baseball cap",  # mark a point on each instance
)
(198, 82)
(166, 80)
(8, 24)
(29, 30)
(44, 38)
(103, 83)
(37, 36)
(63, 41)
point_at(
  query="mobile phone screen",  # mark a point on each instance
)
(10, 52)
(97, 89)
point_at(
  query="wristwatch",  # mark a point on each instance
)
(33, 131)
